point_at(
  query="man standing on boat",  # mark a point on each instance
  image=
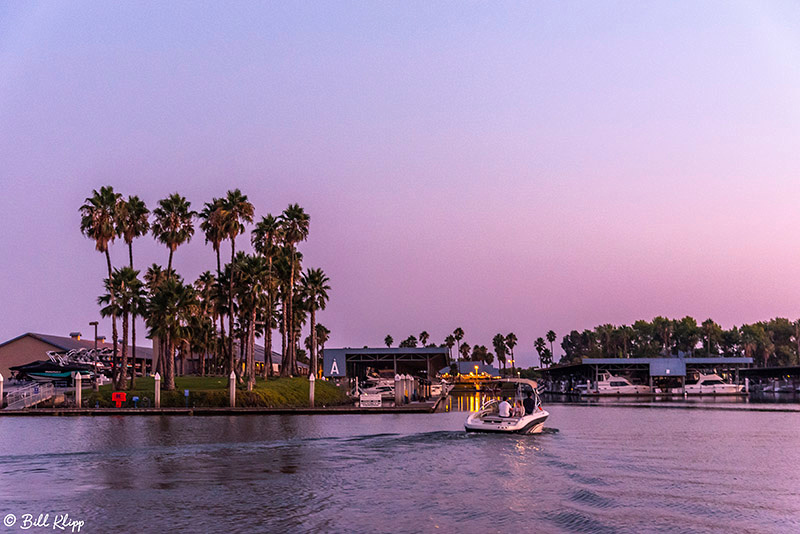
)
(505, 408)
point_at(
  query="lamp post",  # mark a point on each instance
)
(95, 385)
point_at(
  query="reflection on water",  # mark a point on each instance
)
(605, 469)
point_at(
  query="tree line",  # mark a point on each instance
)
(770, 343)
(257, 293)
(503, 347)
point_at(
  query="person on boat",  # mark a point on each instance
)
(518, 411)
(504, 408)
(529, 403)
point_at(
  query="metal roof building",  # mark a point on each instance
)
(353, 363)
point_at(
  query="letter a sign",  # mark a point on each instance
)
(334, 368)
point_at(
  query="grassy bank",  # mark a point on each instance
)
(213, 392)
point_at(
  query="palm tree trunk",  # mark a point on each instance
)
(123, 382)
(313, 343)
(284, 342)
(221, 345)
(268, 337)
(133, 329)
(230, 306)
(170, 364)
(289, 316)
(169, 263)
(115, 376)
(251, 360)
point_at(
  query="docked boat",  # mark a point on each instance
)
(712, 384)
(488, 419)
(618, 385)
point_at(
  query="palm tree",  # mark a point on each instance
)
(123, 293)
(234, 211)
(206, 287)
(499, 343)
(458, 335)
(323, 334)
(212, 226)
(98, 222)
(169, 313)
(294, 228)
(314, 288)
(423, 338)
(133, 222)
(172, 224)
(551, 337)
(266, 239)
(450, 342)
(511, 342)
(540, 347)
(252, 290)
(464, 349)
(388, 340)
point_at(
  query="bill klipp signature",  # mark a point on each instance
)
(59, 522)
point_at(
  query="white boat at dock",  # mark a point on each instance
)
(711, 384)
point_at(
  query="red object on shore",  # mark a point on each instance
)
(118, 397)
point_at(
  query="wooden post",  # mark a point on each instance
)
(158, 391)
(232, 389)
(311, 381)
(78, 389)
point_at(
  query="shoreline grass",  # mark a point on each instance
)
(212, 391)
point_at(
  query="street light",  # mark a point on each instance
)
(476, 371)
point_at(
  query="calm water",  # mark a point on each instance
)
(597, 469)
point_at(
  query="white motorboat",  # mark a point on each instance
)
(712, 384)
(385, 391)
(618, 385)
(488, 419)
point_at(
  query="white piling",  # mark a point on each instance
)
(78, 390)
(232, 388)
(1, 390)
(158, 391)
(311, 381)
(398, 390)
(746, 385)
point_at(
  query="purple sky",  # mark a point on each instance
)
(495, 166)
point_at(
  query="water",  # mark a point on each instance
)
(595, 469)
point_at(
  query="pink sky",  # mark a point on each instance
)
(499, 167)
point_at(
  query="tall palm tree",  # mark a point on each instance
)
(132, 222)
(212, 225)
(314, 288)
(499, 344)
(123, 293)
(294, 225)
(98, 222)
(424, 336)
(266, 240)
(206, 287)
(234, 211)
(251, 294)
(464, 349)
(511, 342)
(449, 341)
(458, 335)
(388, 340)
(540, 347)
(169, 313)
(172, 223)
(323, 334)
(551, 337)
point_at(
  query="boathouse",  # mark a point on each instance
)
(644, 370)
(354, 363)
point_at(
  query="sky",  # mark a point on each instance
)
(495, 166)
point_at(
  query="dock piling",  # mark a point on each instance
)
(157, 378)
(1, 391)
(78, 389)
(232, 389)
(311, 381)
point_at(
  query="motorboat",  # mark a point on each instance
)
(618, 385)
(384, 390)
(711, 384)
(488, 419)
